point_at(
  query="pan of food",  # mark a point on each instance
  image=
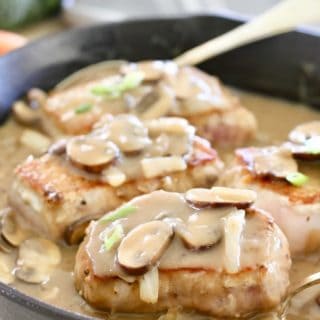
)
(135, 188)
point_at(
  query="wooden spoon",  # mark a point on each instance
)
(281, 18)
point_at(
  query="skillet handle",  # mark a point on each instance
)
(281, 18)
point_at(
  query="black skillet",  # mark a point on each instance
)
(287, 66)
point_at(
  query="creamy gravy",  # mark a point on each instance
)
(275, 117)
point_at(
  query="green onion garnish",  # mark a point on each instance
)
(114, 90)
(297, 179)
(83, 108)
(131, 80)
(115, 237)
(118, 214)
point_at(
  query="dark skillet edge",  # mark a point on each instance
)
(37, 306)
(294, 74)
(44, 311)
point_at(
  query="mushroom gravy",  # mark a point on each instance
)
(276, 118)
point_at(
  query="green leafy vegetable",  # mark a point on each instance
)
(83, 108)
(297, 179)
(115, 90)
(118, 214)
(115, 237)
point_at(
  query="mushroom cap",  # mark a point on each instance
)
(37, 257)
(128, 133)
(221, 196)
(304, 132)
(90, 150)
(269, 161)
(203, 230)
(143, 246)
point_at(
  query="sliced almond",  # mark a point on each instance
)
(221, 196)
(36, 141)
(160, 166)
(305, 131)
(143, 246)
(171, 125)
(36, 259)
(202, 231)
(91, 151)
(114, 176)
(269, 161)
(234, 224)
(128, 133)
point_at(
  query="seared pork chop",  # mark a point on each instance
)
(207, 250)
(82, 178)
(150, 90)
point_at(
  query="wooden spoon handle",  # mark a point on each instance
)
(282, 18)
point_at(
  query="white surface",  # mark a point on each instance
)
(84, 12)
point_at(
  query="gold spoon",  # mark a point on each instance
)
(281, 18)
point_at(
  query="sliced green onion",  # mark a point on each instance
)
(83, 108)
(114, 90)
(131, 80)
(297, 179)
(118, 214)
(115, 237)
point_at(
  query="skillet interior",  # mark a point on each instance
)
(287, 66)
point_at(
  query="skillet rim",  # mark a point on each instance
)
(28, 302)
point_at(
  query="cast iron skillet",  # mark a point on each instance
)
(286, 66)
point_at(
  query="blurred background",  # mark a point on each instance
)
(35, 18)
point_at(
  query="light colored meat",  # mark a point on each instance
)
(259, 284)
(52, 195)
(295, 209)
(195, 95)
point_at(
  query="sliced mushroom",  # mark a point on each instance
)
(58, 147)
(161, 106)
(37, 257)
(128, 132)
(93, 152)
(146, 101)
(220, 196)
(269, 161)
(11, 230)
(5, 246)
(308, 151)
(305, 131)
(160, 166)
(24, 114)
(75, 232)
(6, 268)
(36, 98)
(203, 230)
(143, 246)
